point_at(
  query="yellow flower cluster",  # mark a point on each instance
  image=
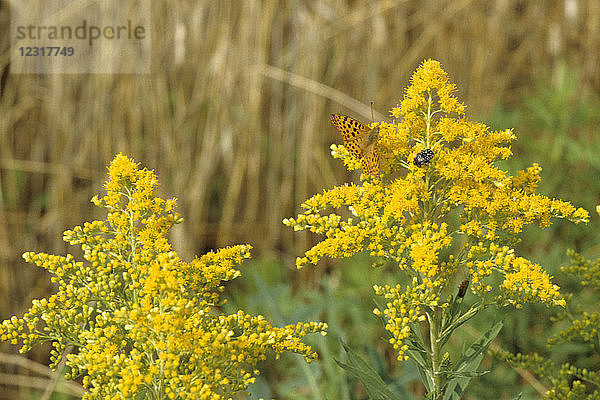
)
(441, 209)
(584, 325)
(144, 323)
(403, 308)
(588, 270)
(582, 328)
(525, 282)
(567, 381)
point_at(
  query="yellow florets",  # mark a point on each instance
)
(142, 319)
(525, 282)
(407, 215)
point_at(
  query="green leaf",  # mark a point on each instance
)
(415, 329)
(417, 353)
(420, 357)
(466, 374)
(467, 366)
(455, 324)
(372, 382)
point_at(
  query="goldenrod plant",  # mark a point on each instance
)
(571, 380)
(440, 209)
(134, 319)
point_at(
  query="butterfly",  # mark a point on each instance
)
(360, 140)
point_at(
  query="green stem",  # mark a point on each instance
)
(434, 328)
(428, 213)
(428, 120)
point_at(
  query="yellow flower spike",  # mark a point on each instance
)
(133, 298)
(405, 216)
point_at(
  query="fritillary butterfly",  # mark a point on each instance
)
(360, 140)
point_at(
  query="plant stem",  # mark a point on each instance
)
(434, 328)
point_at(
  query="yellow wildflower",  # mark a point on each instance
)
(143, 321)
(441, 209)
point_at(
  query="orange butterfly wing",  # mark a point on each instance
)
(370, 161)
(360, 140)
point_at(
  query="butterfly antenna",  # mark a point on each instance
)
(372, 115)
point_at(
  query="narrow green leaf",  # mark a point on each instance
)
(455, 325)
(372, 382)
(420, 357)
(417, 353)
(468, 364)
(426, 377)
(466, 374)
(473, 355)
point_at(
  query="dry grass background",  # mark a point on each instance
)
(234, 117)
